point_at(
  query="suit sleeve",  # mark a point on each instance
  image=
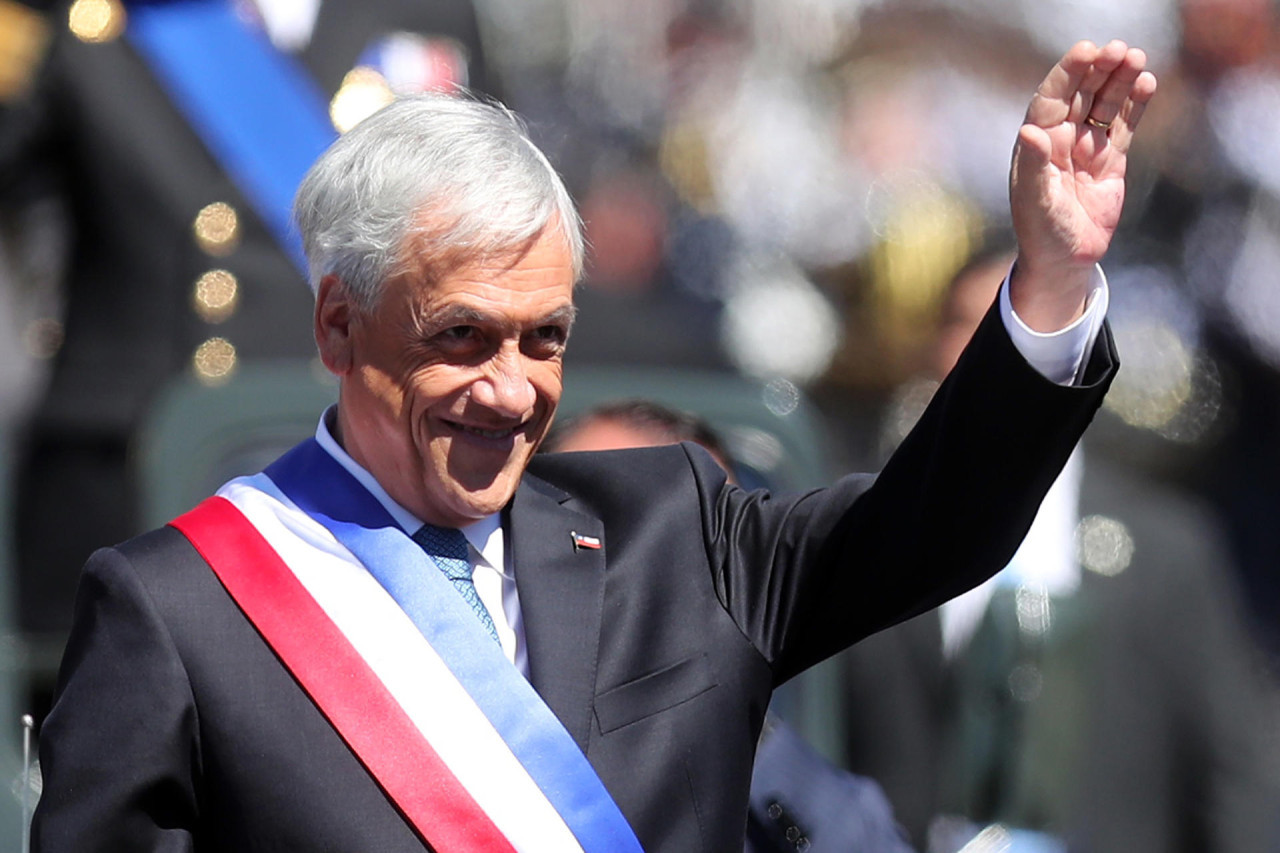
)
(805, 577)
(119, 750)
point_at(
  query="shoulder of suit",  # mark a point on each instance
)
(623, 460)
(160, 558)
(641, 468)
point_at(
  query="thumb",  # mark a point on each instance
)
(1033, 148)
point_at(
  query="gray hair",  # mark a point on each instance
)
(458, 178)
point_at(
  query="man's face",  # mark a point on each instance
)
(449, 387)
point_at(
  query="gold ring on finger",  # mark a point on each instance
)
(1093, 122)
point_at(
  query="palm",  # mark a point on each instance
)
(1083, 187)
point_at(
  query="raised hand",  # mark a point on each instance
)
(1066, 186)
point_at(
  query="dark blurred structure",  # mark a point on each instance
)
(157, 263)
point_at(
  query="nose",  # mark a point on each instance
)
(505, 387)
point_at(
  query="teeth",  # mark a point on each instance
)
(479, 432)
(489, 433)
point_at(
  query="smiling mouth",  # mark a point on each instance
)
(487, 434)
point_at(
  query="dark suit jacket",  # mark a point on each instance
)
(658, 653)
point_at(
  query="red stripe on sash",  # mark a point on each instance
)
(338, 680)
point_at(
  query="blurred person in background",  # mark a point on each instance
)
(1210, 223)
(1101, 693)
(148, 164)
(633, 307)
(636, 423)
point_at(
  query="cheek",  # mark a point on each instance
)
(545, 377)
(382, 389)
(437, 385)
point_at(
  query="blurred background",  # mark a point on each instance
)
(778, 198)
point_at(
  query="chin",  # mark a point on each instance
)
(485, 486)
(476, 504)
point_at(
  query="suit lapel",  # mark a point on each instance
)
(561, 591)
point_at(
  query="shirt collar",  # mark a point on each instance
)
(484, 535)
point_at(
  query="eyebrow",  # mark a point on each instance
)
(563, 316)
(464, 315)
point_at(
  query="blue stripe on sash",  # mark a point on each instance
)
(324, 490)
(259, 114)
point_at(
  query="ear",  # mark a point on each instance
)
(334, 325)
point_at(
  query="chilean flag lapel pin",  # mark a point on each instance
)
(591, 543)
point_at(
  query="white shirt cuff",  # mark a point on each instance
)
(1059, 356)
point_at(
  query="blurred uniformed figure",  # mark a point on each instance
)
(163, 262)
(1101, 693)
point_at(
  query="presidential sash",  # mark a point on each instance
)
(398, 663)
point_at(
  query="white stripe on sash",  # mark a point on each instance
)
(406, 663)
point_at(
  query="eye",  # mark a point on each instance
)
(459, 341)
(556, 334)
(456, 335)
(546, 341)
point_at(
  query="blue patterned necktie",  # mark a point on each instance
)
(448, 548)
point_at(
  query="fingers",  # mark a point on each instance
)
(1088, 83)
(1101, 91)
(1126, 121)
(1100, 78)
(1057, 93)
(1117, 87)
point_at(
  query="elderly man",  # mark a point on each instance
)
(588, 662)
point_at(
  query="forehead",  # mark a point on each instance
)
(536, 277)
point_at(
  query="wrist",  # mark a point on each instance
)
(1049, 299)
